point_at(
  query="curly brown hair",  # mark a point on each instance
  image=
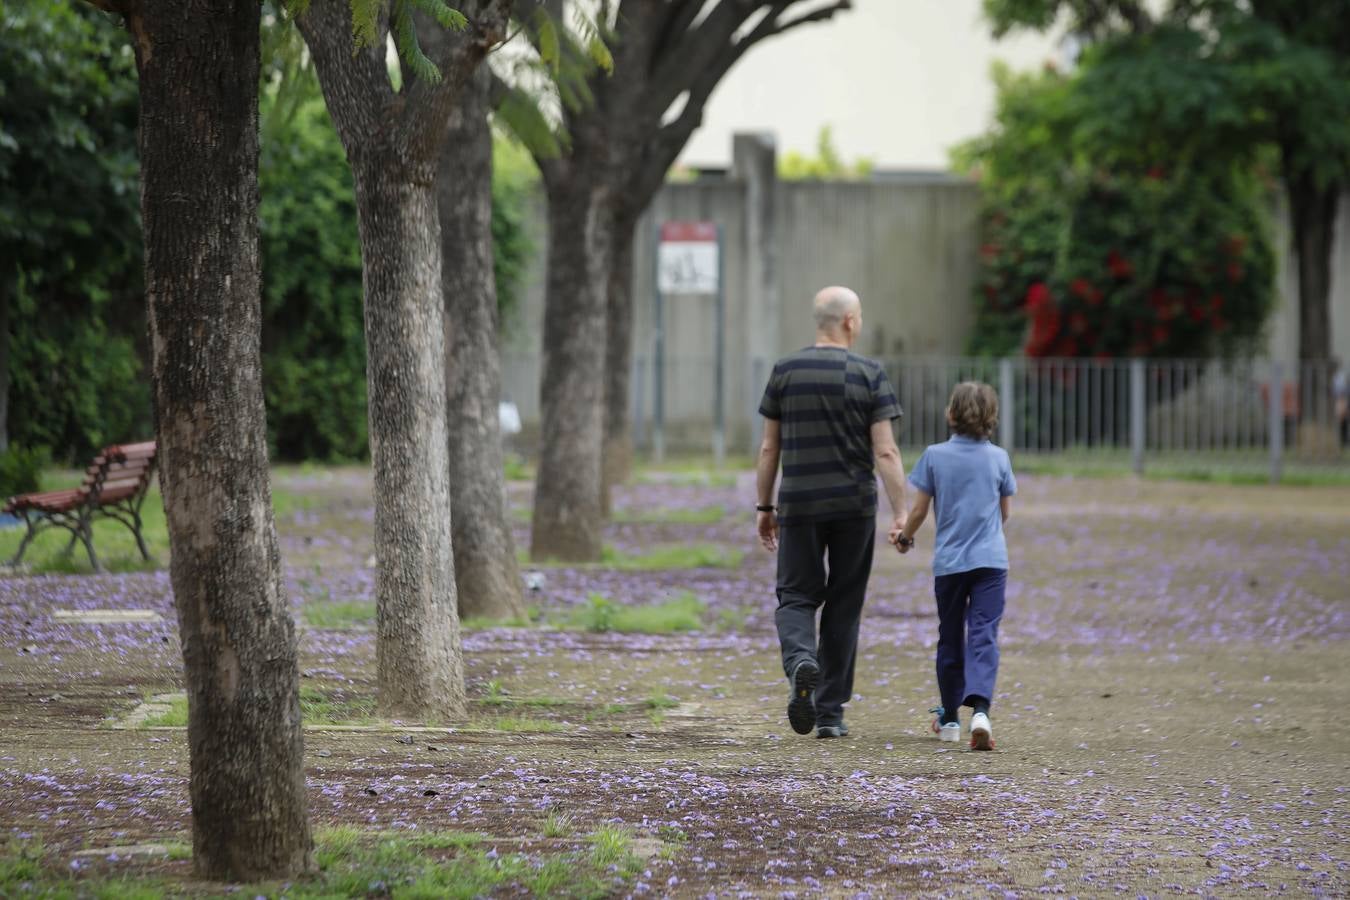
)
(973, 409)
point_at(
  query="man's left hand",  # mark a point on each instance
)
(767, 526)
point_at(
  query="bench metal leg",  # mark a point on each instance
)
(140, 541)
(86, 536)
(27, 539)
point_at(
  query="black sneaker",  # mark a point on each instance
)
(802, 703)
(832, 731)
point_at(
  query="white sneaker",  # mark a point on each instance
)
(948, 731)
(981, 732)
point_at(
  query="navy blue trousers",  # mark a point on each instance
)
(970, 606)
(806, 585)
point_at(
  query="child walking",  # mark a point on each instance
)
(969, 482)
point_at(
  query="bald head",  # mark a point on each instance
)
(838, 313)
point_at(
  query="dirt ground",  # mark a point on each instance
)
(1169, 717)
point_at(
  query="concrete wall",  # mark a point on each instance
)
(909, 247)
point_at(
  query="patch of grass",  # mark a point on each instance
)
(498, 696)
(178, 850)
(316, 708)
(708, 515)
(557, 825)
(684, 612)
(692, 477)
(525, 725)
(1235, 468)
(675, 556)
(342, 615)
(660, 700)
(320, 708)
(176, 716)
(481, 623)
(609, 709)
(517, 469)
(731, 620)
(357, 863)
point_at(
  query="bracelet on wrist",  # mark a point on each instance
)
(765, 507)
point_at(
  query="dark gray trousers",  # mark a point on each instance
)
(805, 586)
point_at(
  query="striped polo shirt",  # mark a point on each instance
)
(826, 399)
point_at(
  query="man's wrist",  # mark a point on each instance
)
(765, 507)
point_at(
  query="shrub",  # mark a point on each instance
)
(21, 470)
(1131, 257)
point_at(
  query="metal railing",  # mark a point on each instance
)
(1134, 411)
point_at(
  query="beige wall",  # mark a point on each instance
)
(910, 248)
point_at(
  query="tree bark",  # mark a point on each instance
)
(418, 661)
(199, 202)
(568, 524)
(487, 577)
(393, 141)
(618, 451)
(5, 291)
(1313, 211)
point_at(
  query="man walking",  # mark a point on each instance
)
(827, 412)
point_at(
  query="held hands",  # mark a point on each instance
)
(767, 526)
(896, 535)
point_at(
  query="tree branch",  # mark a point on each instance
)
(355, 82)
(427, 105)
(660, 153)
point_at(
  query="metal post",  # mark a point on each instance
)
(1276, 425)
(1005, 405)
(639, 402)
(1137, 415)
(658, 358)
(719, 400)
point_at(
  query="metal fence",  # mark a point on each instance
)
(1149, 408)
(1135, 412)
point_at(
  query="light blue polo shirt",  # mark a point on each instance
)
(966, 477)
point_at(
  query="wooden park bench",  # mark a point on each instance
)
(114, 487)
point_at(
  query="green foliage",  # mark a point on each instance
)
(1111, 249)
(21, 470)
(313, 340)
(1207, 91)
(313, 327)
(827, 164)
(69, 217)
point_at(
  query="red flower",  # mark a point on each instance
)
(990, 292)
(1235, 272)
(1156, 173)
(1235, 244)
(1160, 334)
(988, 251)
(1038, 295)
(1196, 311)
(1120, 266)
(1078, 323)
(1080, 287)
(1216, 303)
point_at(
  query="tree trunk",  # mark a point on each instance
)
(199, 203)
(568, 523)
(1313, 211)
(5, 291)
(487, 578)
(618, 453)
(420, 669)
